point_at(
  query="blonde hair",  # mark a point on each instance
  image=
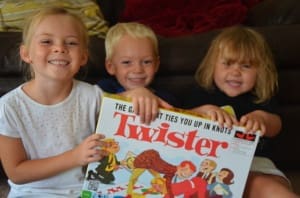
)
(241, 44)
(133, 29)
(37, 17)
(162, 182)
(211, 163)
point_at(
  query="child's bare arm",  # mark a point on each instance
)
(216, 113)
(145, 103)
(268, 123)
(20, 169)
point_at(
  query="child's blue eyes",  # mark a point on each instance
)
(45, 41)
(71, 43)
(146, 62)
(48, 42)
(125, 62)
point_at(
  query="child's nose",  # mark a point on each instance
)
(138, 67)
(60, 48)
(236, 69)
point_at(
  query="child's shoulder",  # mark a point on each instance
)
(12, 95)
(86, 88)
(110, 85)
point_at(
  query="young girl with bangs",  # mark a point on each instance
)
(238, 70)
(47, 124)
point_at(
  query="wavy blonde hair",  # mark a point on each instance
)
(241, 44)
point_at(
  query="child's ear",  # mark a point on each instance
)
(24, 54)
(109, 67)
(85, 58)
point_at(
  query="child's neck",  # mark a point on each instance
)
(47, 93)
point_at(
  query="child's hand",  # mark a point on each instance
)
(253, 122)
(88, 151)
(145, 104)
(216, 113)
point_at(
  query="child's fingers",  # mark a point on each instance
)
(229, 121)
(250, 125)
(146, 108)
(135, 105)
(243, 120)
(155, 110)
(223, 118)
(96, 136)
(217, 116)
(95, 140)
(255, 126)
(246, 123)
(151, 109)
(141, 103)
(96, 155)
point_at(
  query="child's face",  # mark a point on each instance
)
(56, 51)
(133, 62)
(234, 78)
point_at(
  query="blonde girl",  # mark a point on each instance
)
(46, 124)
(238, 70)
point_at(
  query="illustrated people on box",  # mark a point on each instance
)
(197, 186)
(108, 164)
(220, 188)
(132, 60)
(158, 186)
(192, 187)
(128, 161)
(207, 167)
(238, 70)
(47, 124)
(151, 161)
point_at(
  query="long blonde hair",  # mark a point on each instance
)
(241, 44)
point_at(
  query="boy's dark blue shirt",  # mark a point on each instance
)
(111, 85)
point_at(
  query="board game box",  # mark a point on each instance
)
(180, 154)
